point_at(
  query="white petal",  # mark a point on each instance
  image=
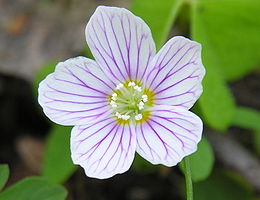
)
(104, 148)
(120, 42)
(176, 73)
(170, 134)
(76, 93)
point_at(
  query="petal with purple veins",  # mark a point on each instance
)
(76, 93)
(104, 148)
(121, 43)
(176, 72)
(170, 134)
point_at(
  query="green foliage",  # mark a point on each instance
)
(220, 187)
(216, 103)
(4, 175)
(142, 166)
(34, 188)
(86, 52)
(247, 118)
(57, 164)
(229, 30)
(201, 162)
(158, 15)
(42, 73)
(256, 141)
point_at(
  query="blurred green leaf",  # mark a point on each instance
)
(158, 15)
(247, 118)
(57, 164)
(201, 162)
(142, 166)
(86, 52)
(229, 29)
(216, 103)
(34, 188)
(4, 175)
(256, 141)
(45, 70)
(220, 187)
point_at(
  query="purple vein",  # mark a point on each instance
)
(109, 46)
(120, 51)
(86, 69)
(69, 93)
(91, 88)
(127, 45)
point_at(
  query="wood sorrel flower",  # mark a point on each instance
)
(130, 99)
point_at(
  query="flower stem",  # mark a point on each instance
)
(187, 172)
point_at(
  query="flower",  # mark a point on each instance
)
(130, 99)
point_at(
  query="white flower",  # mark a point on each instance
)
(130, 99)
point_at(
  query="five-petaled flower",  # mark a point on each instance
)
(130, 99)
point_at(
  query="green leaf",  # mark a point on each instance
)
(158, 15)
(34, 188)
(229, 29)
(57, 164)
(45, 70)
(142, 166)
(86, 52)
(220, 187)
(4, 175)
(216, 103)
(256, 141)
(247, 118)
(201, 162)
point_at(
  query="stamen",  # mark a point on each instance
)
(113, 104)
(137, 88)
(114, 98)
(141, 105)
(131, 84)
(125, 117)
(120, 85)
(128, 102)
(118, 115)
(138, 117)
(144, 98)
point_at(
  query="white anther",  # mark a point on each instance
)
(138, 117)
(144, 98)
(113, 104)
(120, 85)
(125, 117)
(137, 88)
(118, 115)
(114, 98)
(131, 84)
(141, 105)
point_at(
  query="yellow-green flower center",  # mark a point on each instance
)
(131, 102)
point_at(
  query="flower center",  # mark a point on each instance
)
(131, 102)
